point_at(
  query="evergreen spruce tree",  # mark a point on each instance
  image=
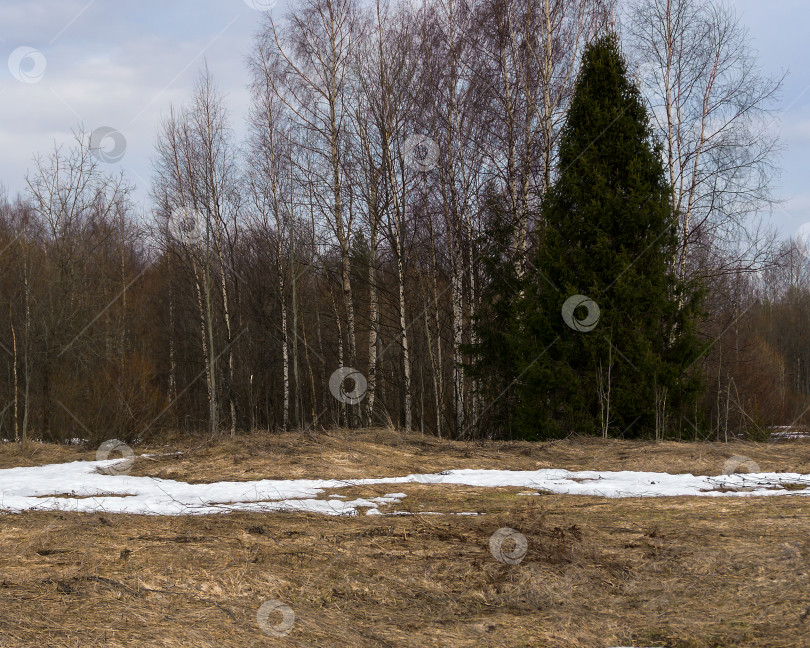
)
(608, 234)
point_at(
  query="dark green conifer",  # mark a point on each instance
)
(608, 234)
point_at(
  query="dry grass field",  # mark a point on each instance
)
(680, 572)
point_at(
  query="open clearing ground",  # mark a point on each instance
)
(684, 572)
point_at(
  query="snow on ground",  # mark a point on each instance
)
(81, 487)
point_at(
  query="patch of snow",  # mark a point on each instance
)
(33, 488)
(789, 435)
(779, 432)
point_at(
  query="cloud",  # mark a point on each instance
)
(118, 64)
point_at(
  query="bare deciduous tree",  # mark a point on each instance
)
(712, 108)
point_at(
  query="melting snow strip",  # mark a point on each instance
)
(79, 486)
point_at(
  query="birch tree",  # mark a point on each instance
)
(444, 85)
(713, 109)
(530, 55)
(386, 73)
(269, 179)
(177, 184)
(316, 47)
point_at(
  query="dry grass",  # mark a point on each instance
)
(678, 572)
(357, 453)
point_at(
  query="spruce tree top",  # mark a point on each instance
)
(611, 194)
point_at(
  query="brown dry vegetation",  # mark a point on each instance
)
(386, 453)
(679, 572)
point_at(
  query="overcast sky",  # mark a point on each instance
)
(122, 63)
(115, 63)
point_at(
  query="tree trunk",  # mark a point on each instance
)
(403, 333)
(16, 387)
(374, 318)
(285, 366)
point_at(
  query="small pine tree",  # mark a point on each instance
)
(608, 233)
